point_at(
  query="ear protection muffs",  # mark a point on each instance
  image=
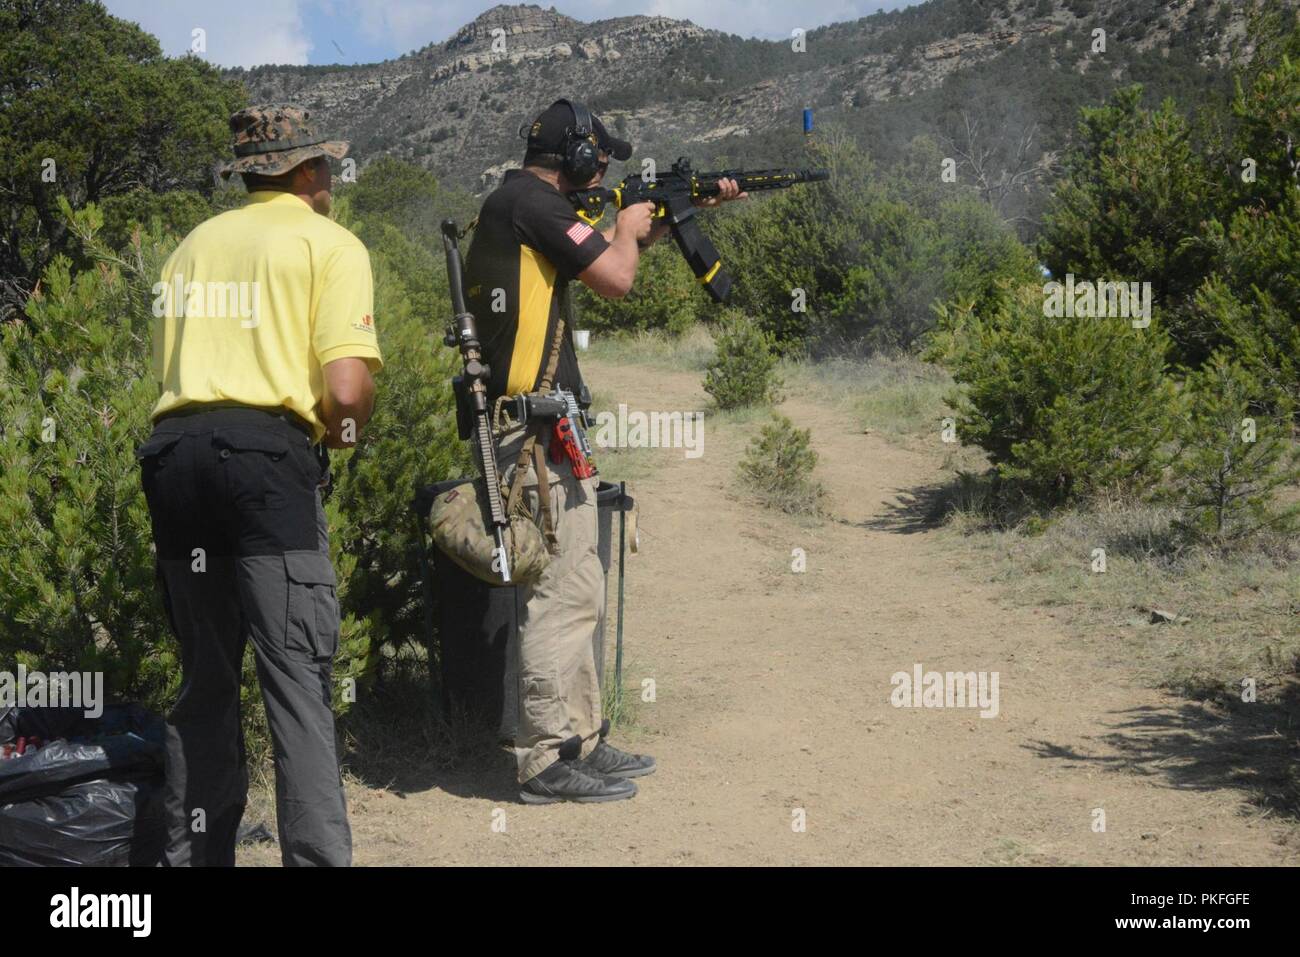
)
(580, 150)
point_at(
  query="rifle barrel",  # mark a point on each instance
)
(591, 203)
(753, 180)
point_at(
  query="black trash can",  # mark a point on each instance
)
(478, 624)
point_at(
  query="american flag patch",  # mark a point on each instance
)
(579, 232)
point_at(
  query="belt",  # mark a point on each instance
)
(285, 415)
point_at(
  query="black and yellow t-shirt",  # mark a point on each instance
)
(527, 246)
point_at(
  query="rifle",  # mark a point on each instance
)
(672, 195)
(472, 414)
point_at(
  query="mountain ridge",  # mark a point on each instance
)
(672, 87)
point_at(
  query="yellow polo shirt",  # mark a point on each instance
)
(255, 301)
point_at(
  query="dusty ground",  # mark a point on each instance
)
(773, 695)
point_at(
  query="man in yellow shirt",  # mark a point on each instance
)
(263, 344)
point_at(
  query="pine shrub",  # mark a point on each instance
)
(778, 468)
(743, 371)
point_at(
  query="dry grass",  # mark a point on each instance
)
(1242, 606)
(692, 350)
(899, 397)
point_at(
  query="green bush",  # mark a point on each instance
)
(391, 191)
(1062, 406)
(176, 212)
(823, 263)
(778, 467)
(95, 95)
(1234, 452)
(855, 264)
(411, 440)
(743, 370)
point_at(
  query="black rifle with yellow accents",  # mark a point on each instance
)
(673, 196)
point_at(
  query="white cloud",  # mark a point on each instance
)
(238, 32)
(403, 25)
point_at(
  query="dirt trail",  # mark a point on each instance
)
(773, 695)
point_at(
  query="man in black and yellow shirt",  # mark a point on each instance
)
(522, 257)
(528, 246)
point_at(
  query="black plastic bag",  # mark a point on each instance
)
(93, 796)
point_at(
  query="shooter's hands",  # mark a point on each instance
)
(614, 270)
(636, 220)
(728, 189)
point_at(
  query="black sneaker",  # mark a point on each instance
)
(609, 760)
(569, 781)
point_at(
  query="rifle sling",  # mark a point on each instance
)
(531, 447)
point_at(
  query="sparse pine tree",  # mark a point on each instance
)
(1134, 190)
(1234, 453)
(1253, 297)
(778, 468)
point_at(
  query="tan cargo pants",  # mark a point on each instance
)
(559, 688)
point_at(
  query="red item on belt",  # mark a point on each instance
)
(566, 445)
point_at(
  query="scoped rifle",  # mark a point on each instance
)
(672, 195)
(473, 416)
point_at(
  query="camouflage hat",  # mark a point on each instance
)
(459, 531)
(270, 140)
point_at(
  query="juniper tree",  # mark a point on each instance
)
(1062, 406)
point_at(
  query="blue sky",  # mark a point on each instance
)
(250, 32)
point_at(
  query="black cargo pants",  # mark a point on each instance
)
(243, 555)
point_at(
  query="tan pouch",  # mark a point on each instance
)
(458, 529)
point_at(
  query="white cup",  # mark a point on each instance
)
(582, 338)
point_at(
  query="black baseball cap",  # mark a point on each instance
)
(547, 133)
